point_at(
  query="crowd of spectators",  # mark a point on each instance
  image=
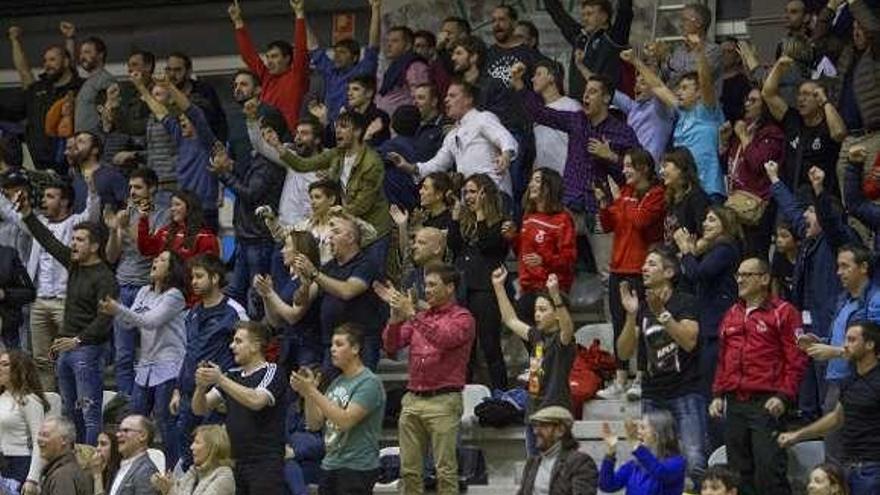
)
(726, 203)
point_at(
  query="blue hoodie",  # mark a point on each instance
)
(208, 334)
(194, 156)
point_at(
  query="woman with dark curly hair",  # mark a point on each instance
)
(686, 202)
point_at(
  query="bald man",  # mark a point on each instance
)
(429, 245)
(346, 282)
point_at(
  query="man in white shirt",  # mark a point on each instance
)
(135, 470)
(478, 144)
(551, 145)
(49, 276)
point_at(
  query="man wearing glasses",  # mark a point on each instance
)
(759, 370)
(134, 435)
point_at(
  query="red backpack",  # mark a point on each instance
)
(591, 367)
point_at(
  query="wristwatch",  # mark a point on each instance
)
(664, 317)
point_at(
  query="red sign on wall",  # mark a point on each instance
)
(343, 27)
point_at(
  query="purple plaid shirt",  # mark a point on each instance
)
(582, 169)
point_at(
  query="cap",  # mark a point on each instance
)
(553, 414)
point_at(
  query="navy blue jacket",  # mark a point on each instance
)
(208, 334)
(713, 276)
(816, 285)
(399, 186)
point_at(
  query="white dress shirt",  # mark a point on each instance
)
(472, 147)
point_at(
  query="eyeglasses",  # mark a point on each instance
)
(749, 274)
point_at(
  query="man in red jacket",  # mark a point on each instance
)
(439, 340)
(759, 370)
(284, 84)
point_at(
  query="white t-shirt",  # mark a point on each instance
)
(551, 146)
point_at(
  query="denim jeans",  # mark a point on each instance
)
(251, 258)
(299, 475)
(864, 478)
(811, 394)
(153, 401)
(691, 419)
(125, 340)
(81, 388)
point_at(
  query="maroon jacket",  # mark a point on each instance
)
(757, 351)
(439, 343)
(746, 167)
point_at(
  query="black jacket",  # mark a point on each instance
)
(18, 289)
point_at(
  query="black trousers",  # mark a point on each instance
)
(615, 306)
(750, 434)
(347, 482)
(263, 477)
(484, 307)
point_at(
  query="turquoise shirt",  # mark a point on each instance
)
(697, 130)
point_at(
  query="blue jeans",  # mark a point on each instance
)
(125, 340)
(153, 401)
(81, 388)
(811, 394)
(299, 475)
(864, 478)
(16, 467)
(251, 258)
(691, 419)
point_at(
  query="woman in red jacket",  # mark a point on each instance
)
(635, 216)
(751, 143)
(546, 243)
(185, 234)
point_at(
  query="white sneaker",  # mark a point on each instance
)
(611, 392)
(634, 392)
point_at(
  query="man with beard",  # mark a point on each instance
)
(246, 86)
(558, 468)
(285, 74)
(110, 184)
(57, 80)
(193, 142)
(92, 57)
(132, 268)
(507, 51)
(178, 70)
(294, 206)
(407, 69)
(49, 276)
(79, 346)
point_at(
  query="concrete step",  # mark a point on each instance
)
(611, 410)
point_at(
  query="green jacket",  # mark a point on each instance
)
(364, 193)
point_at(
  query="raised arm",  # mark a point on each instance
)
(375, 23)
(19, 59)
(657, 86)
(569, 27)
(158, 109)
(47, 239)
(246, 47)
(300, 64)
(836, 125)
(770, 91)
(704, 74)
(508, 314)
(68, 31)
